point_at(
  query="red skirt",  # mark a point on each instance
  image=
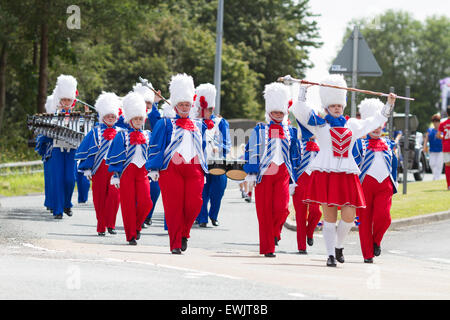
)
(335, 189)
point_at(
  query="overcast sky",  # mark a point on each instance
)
(335, 15)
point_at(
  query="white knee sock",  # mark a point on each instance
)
(329, 235)
(342, 230)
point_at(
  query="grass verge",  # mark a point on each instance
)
(21, 184)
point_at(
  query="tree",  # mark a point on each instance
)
(410, 53)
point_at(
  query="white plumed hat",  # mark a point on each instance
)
(107, 103)
(49, 106)
(66, 87)
(330, 96)
(181, 89)
(133, 106)
(369, 107)
(149, 95)
(277, 96)
(205, 96)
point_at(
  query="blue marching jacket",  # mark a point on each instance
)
(121, 152)
(364, 158)
(93, 149)
(44, 147)
(257, 160)
(166, 137)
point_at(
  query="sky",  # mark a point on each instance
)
(336, 14)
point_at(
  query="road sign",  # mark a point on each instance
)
(367, 65)
(355, 58)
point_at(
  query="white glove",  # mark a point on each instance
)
(302, 93)
(115, 181)
(251, 180)
(292, 187)
(154, 175)
(88, 174)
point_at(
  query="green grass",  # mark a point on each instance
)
(421, 198)
(21, 184)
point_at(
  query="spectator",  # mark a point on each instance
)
(434, 148)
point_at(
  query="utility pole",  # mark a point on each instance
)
(218, 60)
(355, 69)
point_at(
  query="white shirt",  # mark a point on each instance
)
(378, 169)
(186, 148)
(138, 157)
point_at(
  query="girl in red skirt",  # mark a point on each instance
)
(334, 173)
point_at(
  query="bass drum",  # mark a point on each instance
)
(235, 170)
(217, 167)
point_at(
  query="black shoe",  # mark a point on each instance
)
(101, 234)
(111, 231)
(276, 241)
(302, 252)
(310, 241)
(248, 199)
(144, 226)
(138, 235)
(183, 244)
(243, 195)
(203, 225)
(58, 216)
(148, 221)
(331, 262)
(339, 255)
(370, 260)
(270, 255)
(215, 223)
(176, 251)
(68, 211)
(376, 250)
(132, 242)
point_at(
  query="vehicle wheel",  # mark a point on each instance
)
(420, 174)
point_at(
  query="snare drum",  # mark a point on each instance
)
(235, 170)
(217, 167)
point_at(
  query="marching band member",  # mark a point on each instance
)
(126, 158)
(217, 147)
(378, 164)
(269, 156)
(92, 156)
(44, 147)
(178, 161)
(62, 160)
(307, 216)
(334, 174)
(444, 134)
(151, 101)
(435, 149)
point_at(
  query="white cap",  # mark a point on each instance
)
(133, 106)
(107, 103)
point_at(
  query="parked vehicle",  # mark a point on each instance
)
(417, 161)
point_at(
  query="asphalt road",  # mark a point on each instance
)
(43, 258)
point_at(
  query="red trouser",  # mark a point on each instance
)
(375, 219)
(305, 226)
(181, 190)
(106, 198)
(272, 205)
(135, 200)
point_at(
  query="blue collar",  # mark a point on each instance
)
(335, 122)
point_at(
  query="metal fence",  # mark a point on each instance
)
(24, 167)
